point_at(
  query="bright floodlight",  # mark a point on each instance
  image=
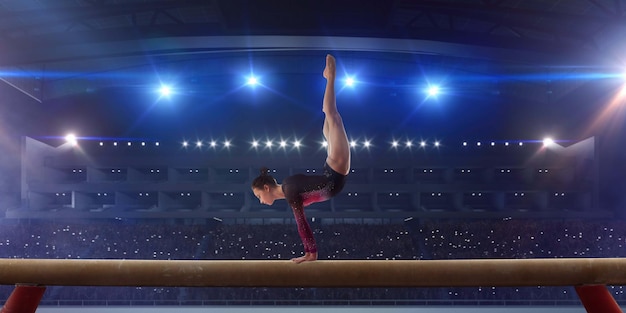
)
(437, 143)
(165, 91)
(366, 143)
(296, 144)
(349, 81)
(198, 143)
(268, 143)
(255, 143)
(227, 143)
(185, 143)
(409, 143)
(324, 144)
(548, 142)
(422, 143)
(394, 143)
(283, 143)
(71, 139)
(433, 91)
(213, 143)
(353, 143)
(252, 80)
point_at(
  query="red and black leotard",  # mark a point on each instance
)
(302, 190)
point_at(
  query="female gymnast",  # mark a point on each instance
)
(302, 190)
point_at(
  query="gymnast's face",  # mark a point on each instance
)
(264, 195)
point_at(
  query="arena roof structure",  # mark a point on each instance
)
(506, 65)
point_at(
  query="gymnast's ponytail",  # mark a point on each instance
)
(264, 179)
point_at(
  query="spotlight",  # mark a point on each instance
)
(255, 144)
(227, 144)
(394, 144)
(283, 144)
(349, 81)
(422, 143)
(366, 143)
(324, 144)
(352, 143)
(296, 144)
(268, 144)
(548, 142)
(409, 143)
(436, 143)
(185, 144)
(252, 81)
(165, 91)
(71, 139)
(433, 91)
(198, 143)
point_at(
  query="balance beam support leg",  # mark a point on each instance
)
(24, 299)
(597, 299)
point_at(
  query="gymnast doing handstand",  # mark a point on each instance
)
(302, 190)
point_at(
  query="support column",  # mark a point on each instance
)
(24, 299)
(597, 299)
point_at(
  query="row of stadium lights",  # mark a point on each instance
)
(350, 194)
(268, 144)
(298, 144)
(474, 194)
(234, 171)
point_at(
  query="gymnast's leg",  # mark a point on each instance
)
(338, 147)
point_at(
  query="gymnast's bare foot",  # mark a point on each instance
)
(329, 70)
(307, 257)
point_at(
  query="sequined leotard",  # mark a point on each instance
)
(302, 190)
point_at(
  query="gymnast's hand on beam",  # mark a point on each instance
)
(307, 257)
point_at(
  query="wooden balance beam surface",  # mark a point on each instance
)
(335, 273)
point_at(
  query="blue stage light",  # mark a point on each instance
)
(349, 81)
(165, 91)
(252, 81)
(433, 91)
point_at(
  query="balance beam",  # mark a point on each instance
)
(340, 273)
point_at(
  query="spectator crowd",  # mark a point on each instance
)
(413, 240)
